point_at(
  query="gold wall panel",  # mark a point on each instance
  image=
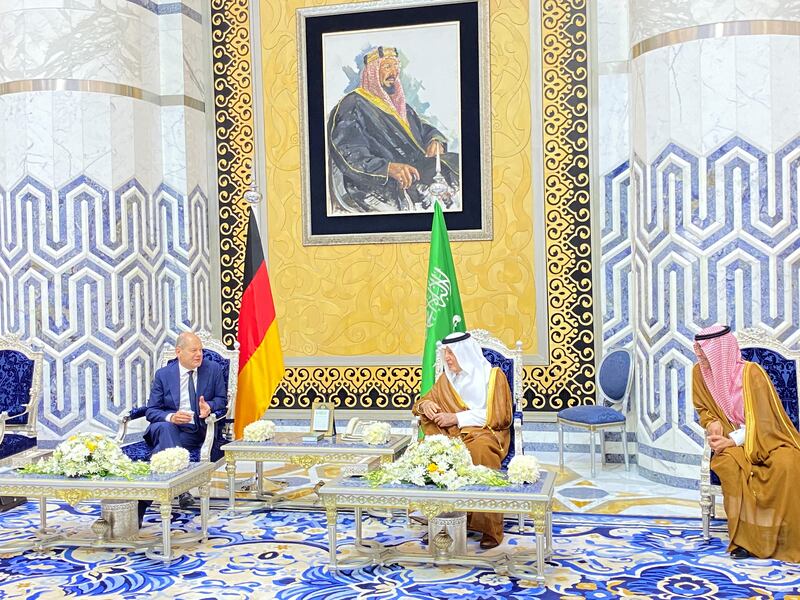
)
(569, 376)
(361, 299)
(349, 387)
(235, 143)
(370, 299)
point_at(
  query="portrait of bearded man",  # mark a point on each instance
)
(382, 155)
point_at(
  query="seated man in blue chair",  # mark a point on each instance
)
(184, 393)
(756, 448)
(471, 399)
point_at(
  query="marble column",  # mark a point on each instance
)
(104, 252)
(611, 142)
(715, 155)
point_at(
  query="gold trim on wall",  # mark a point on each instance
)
(715, 30)
(99, 87)
(569, 375)
(568, 378)
(235, 143)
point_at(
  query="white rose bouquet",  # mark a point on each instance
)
(259, 431)
(523, 469)
(377, 433)
(437, 459)
(92, 455)
(170, 460)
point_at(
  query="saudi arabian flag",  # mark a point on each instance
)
(442, 299)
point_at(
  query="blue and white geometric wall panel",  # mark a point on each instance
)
(102, 279)
(716, 239)
(616, 289)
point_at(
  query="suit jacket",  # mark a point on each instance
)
(165, 395)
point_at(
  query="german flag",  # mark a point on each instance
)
(260, 356)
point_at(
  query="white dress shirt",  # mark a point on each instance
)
(185, 404)
(738, 436)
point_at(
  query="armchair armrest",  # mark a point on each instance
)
(28, 428)
(3, 418)
(705, 464)
(136, 412)
(519, 448)
(122, 428)
(414, 428)
(211, 434)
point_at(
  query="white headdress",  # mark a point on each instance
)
(473, 380)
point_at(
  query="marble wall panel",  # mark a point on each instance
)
(174, 146)
(612, 42)
(104, 251)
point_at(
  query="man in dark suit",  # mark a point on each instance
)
(184, 393)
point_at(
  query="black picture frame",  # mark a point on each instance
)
(471, 216)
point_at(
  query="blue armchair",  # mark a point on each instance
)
(781, 364)
(20, 388)
(219, 425)
(614, 380)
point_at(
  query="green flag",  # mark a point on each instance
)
(442, 299)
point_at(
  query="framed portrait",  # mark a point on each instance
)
(395, 116)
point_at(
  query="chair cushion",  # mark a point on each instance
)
(138, 451)
(783, 373)
(613, 375)
(14, 444)
(591, 415)
(141, 451)
(16, 379)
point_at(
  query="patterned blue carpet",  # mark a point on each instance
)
(283, 554)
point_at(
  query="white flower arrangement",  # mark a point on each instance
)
(437, 459)
(524, 469)
(377, 433)
(170, 460)
(92, 455)
(259, 431)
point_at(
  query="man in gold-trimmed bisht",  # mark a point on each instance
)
(756, 448)
(472, 400)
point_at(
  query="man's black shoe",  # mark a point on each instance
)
(186, 500)
(739, 554)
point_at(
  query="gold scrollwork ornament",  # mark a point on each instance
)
(431, 508)
(72, 496)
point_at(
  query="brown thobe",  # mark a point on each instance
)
(488, 445)
(758, 477)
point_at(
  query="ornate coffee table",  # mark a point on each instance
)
(159, 488)
(289, 447)
(534, 500)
